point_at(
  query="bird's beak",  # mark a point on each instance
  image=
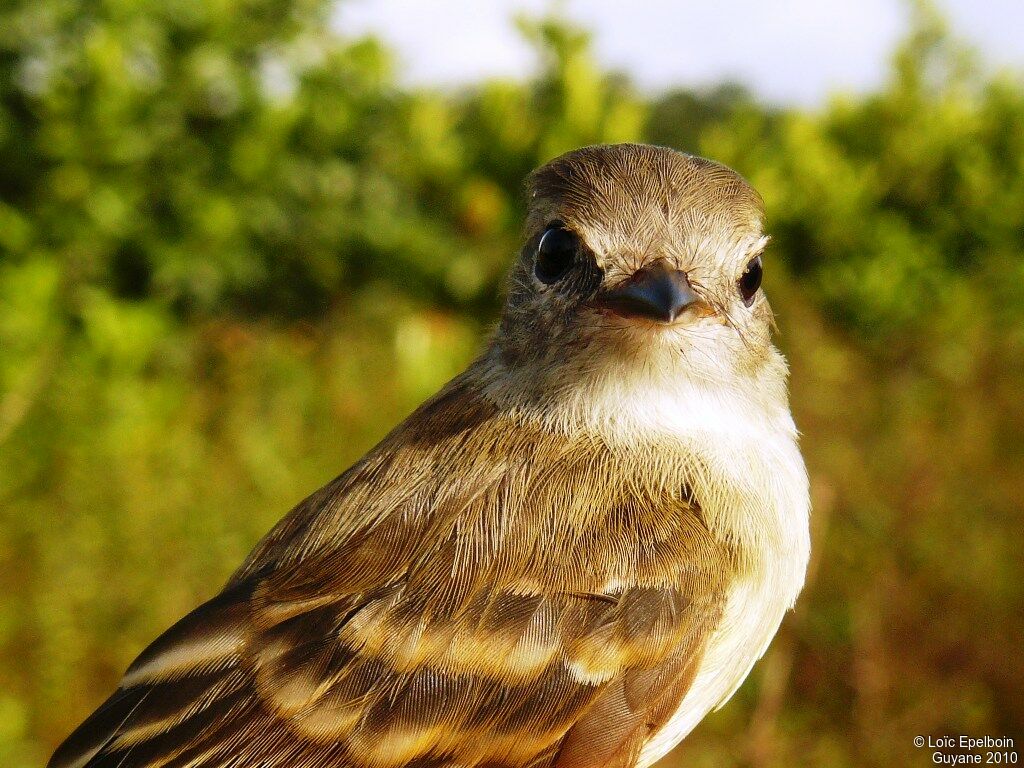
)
(656, 292)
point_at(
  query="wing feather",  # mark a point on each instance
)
(507, 613)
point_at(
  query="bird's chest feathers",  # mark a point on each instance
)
(738, 459)
(734, 453)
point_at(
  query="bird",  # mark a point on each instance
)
(567, 557)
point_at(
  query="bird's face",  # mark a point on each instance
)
(640, 257)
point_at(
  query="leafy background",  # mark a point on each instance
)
(234, 251)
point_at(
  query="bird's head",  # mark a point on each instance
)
(639, 258)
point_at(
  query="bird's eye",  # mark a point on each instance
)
(750, 280)
(556, 253)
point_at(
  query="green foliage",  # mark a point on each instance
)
(233, 253)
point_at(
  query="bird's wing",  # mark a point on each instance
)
(395, 620)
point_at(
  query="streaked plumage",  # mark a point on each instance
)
(565, 558)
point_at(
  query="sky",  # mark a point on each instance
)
(787, 51)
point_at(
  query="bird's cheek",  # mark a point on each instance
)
(704, 311)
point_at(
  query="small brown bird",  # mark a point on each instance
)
(566, 558)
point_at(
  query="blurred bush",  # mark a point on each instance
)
(233, 253)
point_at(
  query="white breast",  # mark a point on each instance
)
(737, 444)
(739, 447)
(756, 489)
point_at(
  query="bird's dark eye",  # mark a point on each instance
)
(556, 253)
(750, 280)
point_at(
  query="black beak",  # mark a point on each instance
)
(656, 292)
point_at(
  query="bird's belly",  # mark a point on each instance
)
(753, 611)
